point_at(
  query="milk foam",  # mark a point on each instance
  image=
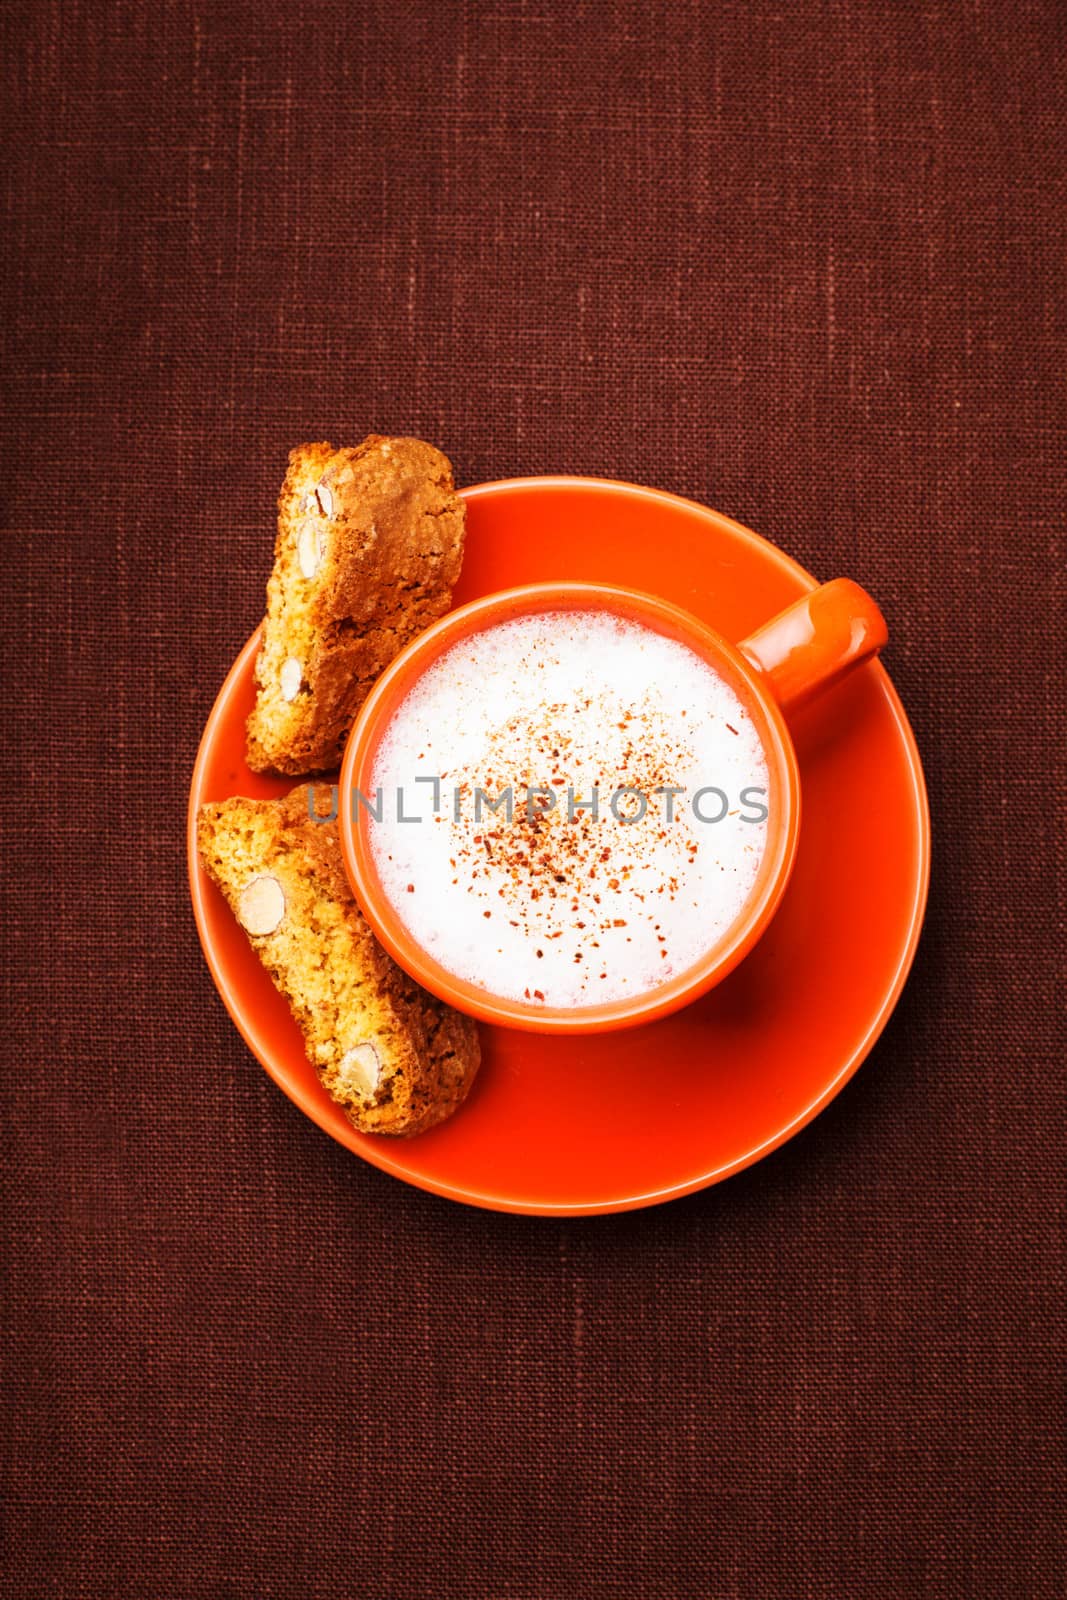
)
(583, 912)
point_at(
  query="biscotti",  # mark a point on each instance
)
(369, 547)
(397, 1059)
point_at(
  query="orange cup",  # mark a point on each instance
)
(784, 664)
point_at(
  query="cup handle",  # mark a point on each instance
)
(815, 641)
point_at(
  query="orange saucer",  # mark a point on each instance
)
(609, 1122)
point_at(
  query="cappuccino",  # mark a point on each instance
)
(569, 808)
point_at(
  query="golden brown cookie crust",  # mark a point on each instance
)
(368, 550)
(394, 1056)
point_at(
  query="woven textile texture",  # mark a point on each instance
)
(799, 262)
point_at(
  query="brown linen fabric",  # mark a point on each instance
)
(801, 263)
